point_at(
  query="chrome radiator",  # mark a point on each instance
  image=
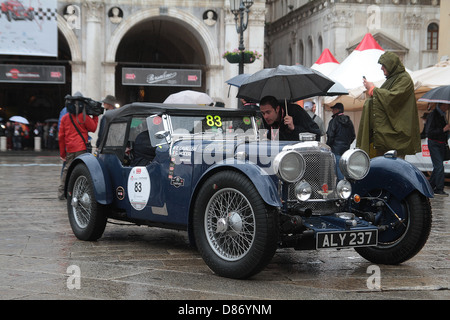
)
(320, 174)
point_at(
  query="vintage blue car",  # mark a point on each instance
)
(210, 171)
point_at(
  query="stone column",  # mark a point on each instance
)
(108, 79)
(78, 72)
(93, 48)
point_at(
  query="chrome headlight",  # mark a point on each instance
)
(344, 189)
(354, 164)
(289, 166)
(303, 191)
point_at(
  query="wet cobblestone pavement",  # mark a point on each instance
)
(39, 255)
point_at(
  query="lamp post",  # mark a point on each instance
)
(241, 9)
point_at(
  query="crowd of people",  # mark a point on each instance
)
(389, 121)
(20, 136)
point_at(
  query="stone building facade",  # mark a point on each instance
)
(98, 40)
(299, 30)
(157, 34)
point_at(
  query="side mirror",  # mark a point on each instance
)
(162, 135)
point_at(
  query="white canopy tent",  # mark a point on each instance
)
(363, 61)
(429, 78)
(326, 63)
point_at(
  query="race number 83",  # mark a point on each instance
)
(212, 121)
(138, 187)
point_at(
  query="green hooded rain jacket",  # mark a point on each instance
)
(389, 118)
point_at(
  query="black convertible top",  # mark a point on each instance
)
(147, 109)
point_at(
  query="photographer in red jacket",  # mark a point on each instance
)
(73, 138)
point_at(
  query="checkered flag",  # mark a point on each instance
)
(46, 14)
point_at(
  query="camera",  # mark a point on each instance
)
(93, 107)
(78, 104)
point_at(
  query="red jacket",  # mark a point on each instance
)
(69, 138)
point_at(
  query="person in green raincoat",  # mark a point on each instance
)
(389, 118)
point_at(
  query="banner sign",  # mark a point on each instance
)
(32, 74)
(161, 77)
(28, 27)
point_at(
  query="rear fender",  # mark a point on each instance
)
(101, 182)
(395, 175)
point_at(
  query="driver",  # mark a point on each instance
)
(284, 125)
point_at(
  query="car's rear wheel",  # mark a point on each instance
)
(406, 224)
(87, 217)
(234, 229)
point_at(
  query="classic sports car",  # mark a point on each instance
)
(210, 171)
(14, 10)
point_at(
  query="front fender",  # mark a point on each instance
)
(395, 175)
(101, 182)
(262, 181)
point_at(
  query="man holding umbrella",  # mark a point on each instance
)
(274, 88)
(286, 123)
(437, 130)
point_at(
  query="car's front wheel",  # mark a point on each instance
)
(234, 229)
(86, 216)
(405, 226)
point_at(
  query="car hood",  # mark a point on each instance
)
(259, 152)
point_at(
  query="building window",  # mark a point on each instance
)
(301, 53)
(432, 36)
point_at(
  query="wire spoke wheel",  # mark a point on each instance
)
(230, 224)
(406, 226)
(81, 202)
(235, 230)
(86, 216)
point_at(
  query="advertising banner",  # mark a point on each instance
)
(11, 73)
(161, 77)
(28, 27)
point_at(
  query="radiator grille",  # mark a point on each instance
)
(320, 171)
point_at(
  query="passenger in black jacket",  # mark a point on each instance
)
(437, 130)
(286, 127)
(143, 152)
(340, 134)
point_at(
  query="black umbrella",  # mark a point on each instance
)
(238, 80)
(337, 90)
(437, 95)
(285, 83)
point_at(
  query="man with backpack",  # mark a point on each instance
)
(73, 137)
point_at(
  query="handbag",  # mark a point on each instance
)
(447, 153)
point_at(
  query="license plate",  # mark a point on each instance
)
(343, 239)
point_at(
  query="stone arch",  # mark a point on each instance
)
(71, 38)
(192, 23)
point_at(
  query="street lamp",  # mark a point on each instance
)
(238, 7)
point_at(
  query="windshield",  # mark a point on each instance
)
(227, 126)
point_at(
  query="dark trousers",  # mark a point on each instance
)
(69, 158)
(437, 152)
